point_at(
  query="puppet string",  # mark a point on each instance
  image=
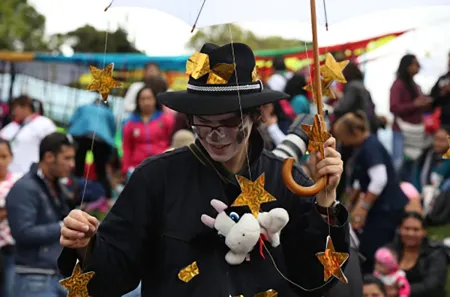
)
(326, 17)
(239, 99)
(289, 280)
(97, 121)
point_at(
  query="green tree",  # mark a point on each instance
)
(89, 39)
(22, 28)
(220, 35)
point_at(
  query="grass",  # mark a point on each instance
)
(439, 233)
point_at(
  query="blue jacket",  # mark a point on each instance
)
(34, 217)
(91, 118)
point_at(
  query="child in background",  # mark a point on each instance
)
(7, 180)
(387, 270)
(181, 138)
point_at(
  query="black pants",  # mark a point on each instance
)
(102, 153)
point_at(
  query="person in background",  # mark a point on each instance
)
(7, 180)
(441, 96)
(36, 205)
(278, 81)
(424, 261)
(181, 138)
(147, 131)
(387, 270)
(25, 133)
(378, 201)
(93, 127)
(295, 88)
(431, 168)
(373, 287)
(356, 97)
(408, 105)
(152, 76)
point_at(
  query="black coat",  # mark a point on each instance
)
(154, 230)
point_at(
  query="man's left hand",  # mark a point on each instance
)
(331, 167)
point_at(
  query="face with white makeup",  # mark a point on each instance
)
(224, 137)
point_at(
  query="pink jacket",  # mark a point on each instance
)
(141, 140)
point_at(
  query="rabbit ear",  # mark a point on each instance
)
(218, 205)
(208, 221)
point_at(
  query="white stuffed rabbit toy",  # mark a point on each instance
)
(272, 223)
(240, 236)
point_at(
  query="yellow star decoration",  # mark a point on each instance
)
(317, 134)
(447, 154)
(332, 70)
(252, 194)
(189, 272)
(76, 284)
(326, 89)
(103, 81)
(332, 262)
(198, 65)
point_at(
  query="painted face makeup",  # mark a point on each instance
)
(223, 136)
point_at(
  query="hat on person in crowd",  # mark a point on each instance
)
(221, 80)
(181, 138)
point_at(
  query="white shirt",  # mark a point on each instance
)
(25, 141)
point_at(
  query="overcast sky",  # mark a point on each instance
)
(160, 34)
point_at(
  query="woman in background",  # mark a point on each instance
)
(380, 201)
(147, 132)
(93, 127)
(299, 99)
(7, 180)
(425, 262)
(408, 105)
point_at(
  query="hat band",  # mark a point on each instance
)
(245, 88)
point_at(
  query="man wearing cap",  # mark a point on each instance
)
(154, 230)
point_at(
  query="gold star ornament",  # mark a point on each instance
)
(76, 284)
(252, 194)
(317, 134)
(332, 262)
(198, 65)
(103, 81)
(189, 272)
(332, 70)
(326, 89)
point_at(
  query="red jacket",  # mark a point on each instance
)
(141, 140)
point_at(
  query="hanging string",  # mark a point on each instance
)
(97, 121)
(239, 98)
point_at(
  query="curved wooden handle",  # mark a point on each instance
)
(295, 188)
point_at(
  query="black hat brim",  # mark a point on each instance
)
(216, 104)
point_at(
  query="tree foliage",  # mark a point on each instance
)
(22, 28)
(220, 35)
(89, 39)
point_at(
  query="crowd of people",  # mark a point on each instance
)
(391, 197)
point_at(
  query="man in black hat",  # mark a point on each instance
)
(154, 230)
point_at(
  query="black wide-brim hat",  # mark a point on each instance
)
(221, 80)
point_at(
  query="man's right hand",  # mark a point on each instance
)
(78, 229)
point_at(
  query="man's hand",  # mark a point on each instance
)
(78, 229)
(331, 167)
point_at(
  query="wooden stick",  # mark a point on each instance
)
(317, 86)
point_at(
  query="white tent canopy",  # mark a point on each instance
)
(216, 12)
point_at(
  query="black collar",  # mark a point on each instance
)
(256, 146)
